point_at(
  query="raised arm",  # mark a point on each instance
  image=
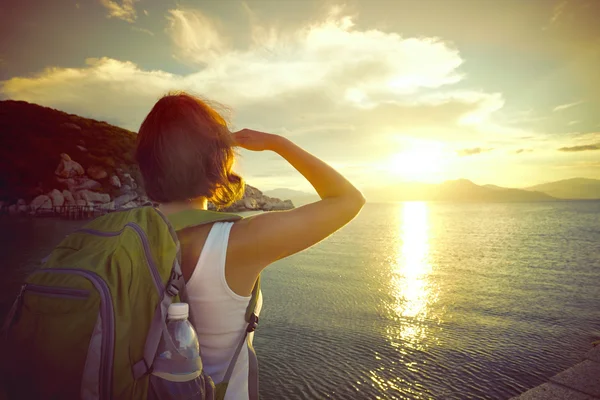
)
(259, 240)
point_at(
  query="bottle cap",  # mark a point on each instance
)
(178, 311)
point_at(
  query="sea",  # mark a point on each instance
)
(411, 300)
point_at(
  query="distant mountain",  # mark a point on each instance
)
(464, 190)
(461, 190)
(298, 197)
(576, 188)
(494, 187)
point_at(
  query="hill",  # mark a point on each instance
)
(49, 159)
(576, 188)
(461, 190)
(33, 138)
(494, 187)
(296, 196)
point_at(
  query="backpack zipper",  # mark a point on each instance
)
(148, 254)
(107, 314)
(55, 291)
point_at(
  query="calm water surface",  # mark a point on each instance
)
(413, 300)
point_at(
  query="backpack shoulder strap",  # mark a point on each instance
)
(252, 320)
(188, 218)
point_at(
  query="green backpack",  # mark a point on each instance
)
(88, 323)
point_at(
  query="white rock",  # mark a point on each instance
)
(114, 180)
(46, 206)
(82, 148)
(41, 201)
(96, 172)
(83, 183)
(21, 202)
(94, 197)
(57, 198)
(144, 200)
(68, 168)
(12, 209)
(80, 202)
(282, 205)
(70, 125)
(128, 179)
(69, 199)
(250, 204)
(131, 204)
(108, 206)
(68, 182)
(22, 208)
(125, 198)
(126, 189)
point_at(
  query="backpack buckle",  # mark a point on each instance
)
(141, 369)
(149, 368)
(172, 289)
(253, 323)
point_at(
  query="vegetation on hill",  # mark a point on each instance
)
(96, 163)
(33, 137)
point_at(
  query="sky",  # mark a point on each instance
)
(498, 92)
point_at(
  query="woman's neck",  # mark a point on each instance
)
(176, 206)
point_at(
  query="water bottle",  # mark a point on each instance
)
(175, 377)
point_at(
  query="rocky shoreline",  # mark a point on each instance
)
(81, 193)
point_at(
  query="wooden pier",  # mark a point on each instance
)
(65, 211)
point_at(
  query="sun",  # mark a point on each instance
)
(421, 161)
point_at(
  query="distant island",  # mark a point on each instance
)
(463, 190)
(52, 162)
(575, 188)
(298, 197)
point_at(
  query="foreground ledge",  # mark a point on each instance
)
(580, 382)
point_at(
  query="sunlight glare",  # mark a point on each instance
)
(421, 161)
(410, 284)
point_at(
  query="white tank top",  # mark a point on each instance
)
(219, 314)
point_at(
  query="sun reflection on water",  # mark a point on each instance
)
(409, 279)
(411, 296)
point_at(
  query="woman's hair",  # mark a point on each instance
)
(185, 151)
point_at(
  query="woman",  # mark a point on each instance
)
(185, 154)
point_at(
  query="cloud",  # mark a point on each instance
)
(341, 67)
(106, 89)
(125, 10)
(339, 91)
(195, 37)
(142, 30)
(519, 151)
(371, 63)
(585, 147)
(472, 151)
(566, 106)
(558, 11)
